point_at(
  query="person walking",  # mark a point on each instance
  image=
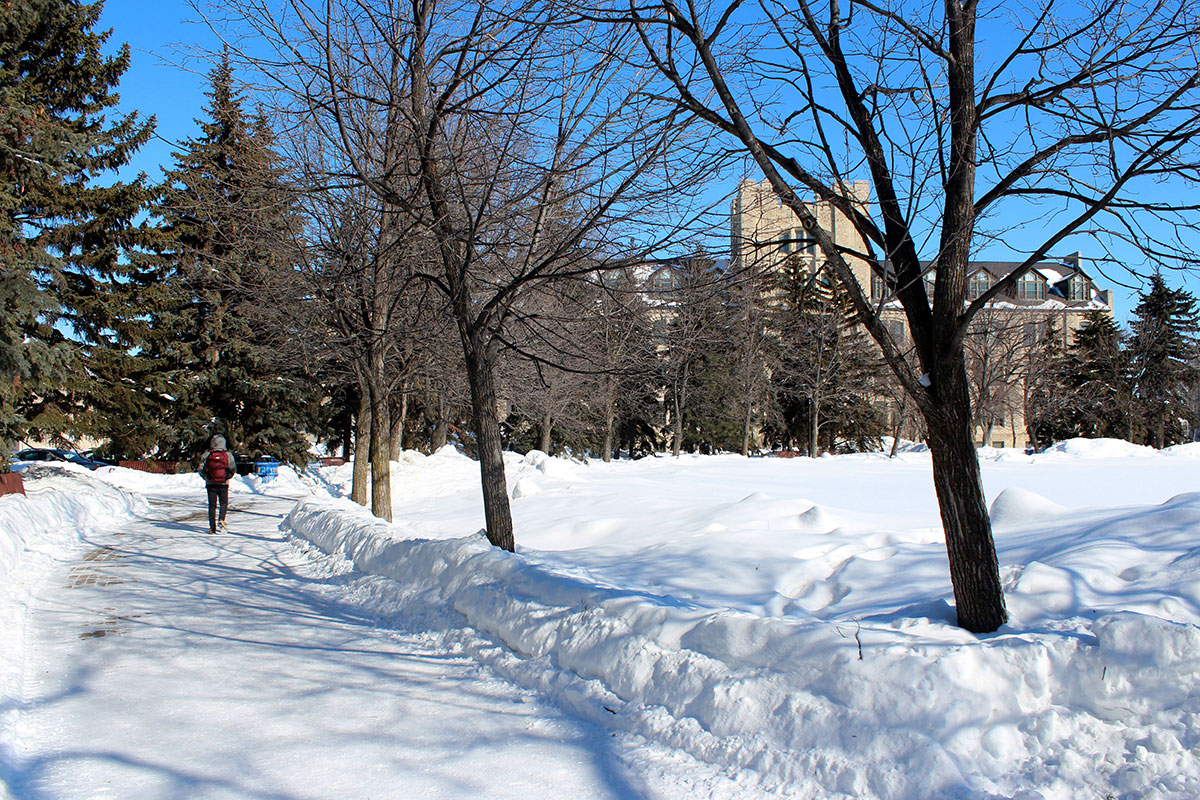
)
(217, 466)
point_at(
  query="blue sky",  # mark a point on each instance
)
(167, 79)
(163, 79)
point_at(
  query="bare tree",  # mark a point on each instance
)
(752, 368)
(999, 348)
(378, 321)
(691, 323)
(1063, 126)
(550, 376)
(510, 142)
(620, 347)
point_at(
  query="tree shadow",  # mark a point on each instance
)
(355, 681)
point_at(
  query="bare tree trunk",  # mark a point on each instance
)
(746, 427)
(438, 437)
(814, 424)
(381, 468)
(398, 423)
(609, 417)
(974, 570)
(679, 397)
(360, 488)
(677, 427)
(544, 441)
(898, 428)
(496, 510)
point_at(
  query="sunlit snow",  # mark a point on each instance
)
(694, 627)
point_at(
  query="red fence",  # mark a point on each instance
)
(157, 467)
(11, 483)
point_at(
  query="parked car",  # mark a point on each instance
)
(44, 454)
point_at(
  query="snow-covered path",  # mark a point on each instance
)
(168, 663)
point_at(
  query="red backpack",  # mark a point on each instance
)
(216, 466)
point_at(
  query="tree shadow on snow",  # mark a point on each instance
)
(353, 680)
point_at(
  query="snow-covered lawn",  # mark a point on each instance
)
(784, 626)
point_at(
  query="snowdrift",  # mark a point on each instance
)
(898, 705)
(63, 504)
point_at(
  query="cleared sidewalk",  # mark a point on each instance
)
(168, 663)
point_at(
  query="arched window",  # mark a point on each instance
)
(979, 283)
(1030, 286)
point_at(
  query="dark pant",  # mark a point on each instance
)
(217, 492)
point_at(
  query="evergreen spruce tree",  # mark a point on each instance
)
(824, 370)
(64, 284)
(1098, 378)
(229, 226)
(1163, 358)
(1051, 411)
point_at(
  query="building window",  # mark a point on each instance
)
(664, 281)
(797, 241)
(1033, 332)
(1079, 289)
(1031, 287)
(979, 283)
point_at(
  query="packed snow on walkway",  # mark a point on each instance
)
(789, 622)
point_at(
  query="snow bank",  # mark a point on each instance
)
(60, 502)
(900, 705)
(287, 480)
(1100, 448)
(63, 504)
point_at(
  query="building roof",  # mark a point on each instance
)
(1057, 275)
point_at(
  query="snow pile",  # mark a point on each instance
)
(287, 481)
(63, 503)
(1100, 448)
(60, 501)
(812, 643)
(1017, 506)
(1189, 450)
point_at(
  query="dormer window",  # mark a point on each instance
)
(979, 283)
(1080, 289)
(1030, 286)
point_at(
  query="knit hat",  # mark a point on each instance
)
(218, 442)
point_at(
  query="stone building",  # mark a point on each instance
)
(764, 233)
(1052, 296)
